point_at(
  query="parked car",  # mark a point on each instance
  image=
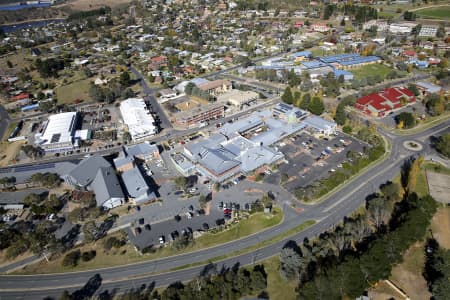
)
(147, 227)
(205, 226)
(141, 221)
(162, 240)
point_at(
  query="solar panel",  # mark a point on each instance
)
(55, 138)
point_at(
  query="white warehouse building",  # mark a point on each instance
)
(59, 132)
(138, 119)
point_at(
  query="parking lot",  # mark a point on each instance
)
(309, 159)
(161, 220)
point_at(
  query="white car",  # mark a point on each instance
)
(161, 239)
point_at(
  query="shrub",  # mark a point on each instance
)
(71, 259)
(88, 255)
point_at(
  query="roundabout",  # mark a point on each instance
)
(412, 146)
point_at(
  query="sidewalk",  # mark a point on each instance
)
(8, 268)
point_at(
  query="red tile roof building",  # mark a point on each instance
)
(380, 104)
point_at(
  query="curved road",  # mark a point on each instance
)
(327, 214)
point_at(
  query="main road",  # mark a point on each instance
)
(327, 214)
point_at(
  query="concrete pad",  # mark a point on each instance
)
(439, 186)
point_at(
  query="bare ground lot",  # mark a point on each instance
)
(439, 186)
(89, 4)
(440, 227)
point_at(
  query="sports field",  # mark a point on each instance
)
(442, 12)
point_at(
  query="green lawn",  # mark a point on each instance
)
(277, 286)
(422, 183)
(253, 224)
(67, 94)
(437, 168)
(371, 70)
(442, 13)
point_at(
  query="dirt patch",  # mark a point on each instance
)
(408, 274)
(384, 291)
(89, 4)
(8, 152)
(439, 186)
(440, 227)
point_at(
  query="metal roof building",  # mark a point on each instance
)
(106, 187)
(319, 125)
(58, 133)
(137, 188)
(139, 120)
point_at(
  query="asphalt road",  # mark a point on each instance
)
(150, 96)
(4, 121)
(327, 213)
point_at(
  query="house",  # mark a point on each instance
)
(97, 175)
(157, 62)
(320, 27)
(216, 87)
(379, 104)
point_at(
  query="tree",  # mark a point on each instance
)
(347, 129)
(125, 79)
(181, 182)
(406, 118)
(316, 106)
(290, 262)
(71, 259)
(443, 144)
(306, 101)
(9, 64)
(413, 88)
(90, 231)
(189, 87)
(287, 96)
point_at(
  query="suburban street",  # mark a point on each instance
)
(326, 213)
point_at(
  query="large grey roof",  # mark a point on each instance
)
(319, 123)
(106, 185)
(141, 149)
(257, 156)
(217, 160)
(85, 172)
(135, 183)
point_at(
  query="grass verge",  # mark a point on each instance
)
(127, 254)
(263, 244)
(429, 122)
